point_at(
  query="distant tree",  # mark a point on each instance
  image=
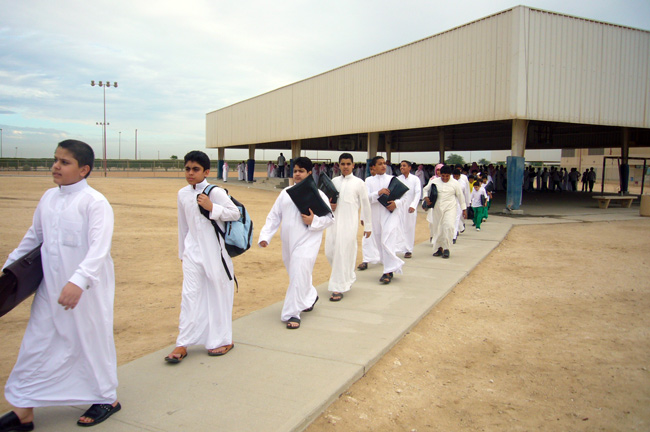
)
(484, 161)
(454, 159)
(174, 157)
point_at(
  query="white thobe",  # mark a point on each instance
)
(225, 171)
(442, 218)
(207, 296)
(240, 171)
(464, 187)
(300, 246)
(67, 357)
(408, 220)
(385, 224)
(341, 237)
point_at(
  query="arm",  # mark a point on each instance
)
(273, 221)
(223, 209)
(33, 237)
(417, 193)
(364, 202)
(319, 223)
(182, 227)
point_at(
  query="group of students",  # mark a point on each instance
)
(67, 356)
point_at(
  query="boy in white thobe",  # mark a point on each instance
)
(443, 216)
(301, 239)
(341, 238)
(464, 186)
(385, 220)
(408, 212)
(225, 171)
(207, 295)
(67, 356)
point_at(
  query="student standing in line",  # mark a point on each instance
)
(408, 212)
(385, 220)
(341, 237)
(67, 356)
(443, 216)
(207, 296)
(301, 238)
(480, 210)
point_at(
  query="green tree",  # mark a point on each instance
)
(454, 159)
(174, 157)
(484, 161)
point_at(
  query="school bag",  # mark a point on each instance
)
(238, 235)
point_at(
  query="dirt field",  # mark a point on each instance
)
(550, 332)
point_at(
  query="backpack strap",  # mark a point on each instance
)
(221, 235)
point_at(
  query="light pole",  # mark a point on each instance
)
(119, 148)
(0, 143)
(104, 85)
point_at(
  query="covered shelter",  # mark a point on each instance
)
(522, 78)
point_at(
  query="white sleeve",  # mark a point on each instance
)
(273, 220)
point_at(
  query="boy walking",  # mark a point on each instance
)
(67, 356)
(301, 239)
(480, 210)
(207, 296)
(341, 239)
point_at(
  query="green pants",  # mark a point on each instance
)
(479, 214)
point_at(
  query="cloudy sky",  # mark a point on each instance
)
(175, 61)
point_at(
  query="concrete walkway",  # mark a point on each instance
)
(280, 380)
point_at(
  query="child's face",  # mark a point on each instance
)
(346, 166)
(299, 174)
(380, 167)
(404, 168)
(477, 186)
(194, 173)
(66, 169)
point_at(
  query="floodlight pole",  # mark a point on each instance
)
(104, 85)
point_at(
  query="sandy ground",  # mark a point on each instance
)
(545, 334)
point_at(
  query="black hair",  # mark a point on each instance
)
(456, 171)
(374, 160)
(407, 163)
(446, 169)
(81, 151)
(199, 157)
(303, 162)
(346, 156)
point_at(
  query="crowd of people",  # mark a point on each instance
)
(65, 361)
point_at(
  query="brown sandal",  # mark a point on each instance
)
(181, 351)
(213, 352)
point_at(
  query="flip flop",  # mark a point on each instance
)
(11, 422)
(98, 413)
(309, 309)
(336, 296)
(213, 353)
(178, 350)
(293, 320)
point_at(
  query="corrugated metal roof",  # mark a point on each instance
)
(520, 63)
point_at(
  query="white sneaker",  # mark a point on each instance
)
(478, 229)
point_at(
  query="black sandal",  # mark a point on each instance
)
(438, 252)
(386, 278)
(98, 413)
(11, 422)
(295, 321)
(309, 309)
(337, 296)
(362, 266)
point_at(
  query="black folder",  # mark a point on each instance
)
(325, 184)
(305, 196)
(433, 197)
(397, 190)
(20, 279)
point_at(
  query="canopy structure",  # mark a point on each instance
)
(521, 78)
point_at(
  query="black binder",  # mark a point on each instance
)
(325, 184)
(20, 279)
(397, 190)
(305, 196)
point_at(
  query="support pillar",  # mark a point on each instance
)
(250, 164)
(221, 151)
(296, 148)
(373, 144)
(516, 164)
(624, 168)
